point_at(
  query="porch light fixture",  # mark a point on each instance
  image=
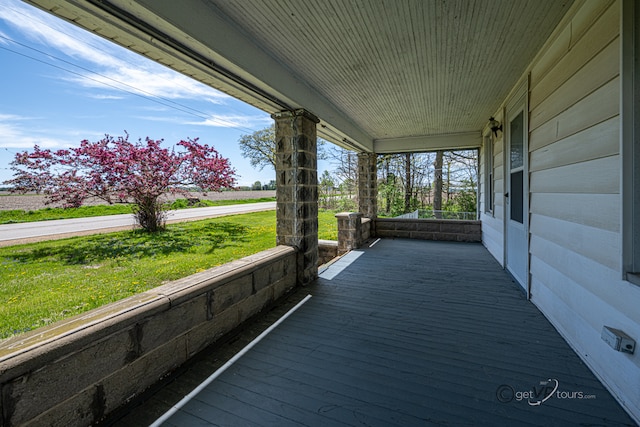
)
(495, 126)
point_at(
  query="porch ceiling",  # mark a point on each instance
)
(383, 75)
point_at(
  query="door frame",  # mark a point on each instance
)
(518, 101)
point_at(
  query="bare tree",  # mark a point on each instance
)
(405, 181)
(346, 174)
(408, 187)
(437, 183)
(346, 165)
(386, 178)
(465, 165)
(260, 148)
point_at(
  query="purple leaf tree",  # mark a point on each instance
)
(115, 170)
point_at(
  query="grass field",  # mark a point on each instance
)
(44, 282)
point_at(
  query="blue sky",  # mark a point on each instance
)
(60, 84)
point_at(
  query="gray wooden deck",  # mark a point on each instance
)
(407, 333)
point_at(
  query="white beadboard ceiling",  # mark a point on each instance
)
(382, 75)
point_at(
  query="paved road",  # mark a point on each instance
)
(44, 230)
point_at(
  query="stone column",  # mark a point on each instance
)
(368, 185)
(297, 188)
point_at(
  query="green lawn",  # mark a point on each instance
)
(15, 216)
(48, 281)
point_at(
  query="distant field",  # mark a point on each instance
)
(31, 202)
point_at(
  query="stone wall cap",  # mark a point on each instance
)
(327, 242)
(295, 113)
(348, 214)
(46, 340)
(452, 221)
(214, 277)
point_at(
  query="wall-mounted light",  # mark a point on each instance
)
(495, 126)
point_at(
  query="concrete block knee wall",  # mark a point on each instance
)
(77, 371)
(429, 229)
(327, 250)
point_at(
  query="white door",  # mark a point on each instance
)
(516, 194)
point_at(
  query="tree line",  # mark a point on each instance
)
(434, 183)
(437, 183)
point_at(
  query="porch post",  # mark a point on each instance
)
(349, 231)
(368, 185)
(297, 188)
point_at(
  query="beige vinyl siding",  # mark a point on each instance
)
(586, 280)
(596, 107)
(574, 47)
(564, 152)
(574, 159)
(591, 348)
(600, 70)
(498, 175)
(597, 244)
(493, 225)
(591, 177)
(484, 188)
(575, 241)
(592, 210)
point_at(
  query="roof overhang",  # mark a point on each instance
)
(383, 76)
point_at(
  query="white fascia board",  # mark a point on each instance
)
(454, 141)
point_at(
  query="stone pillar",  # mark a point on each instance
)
(349, 231)
(368, 185)
(297, 188)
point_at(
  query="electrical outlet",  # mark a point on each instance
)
(618, 340)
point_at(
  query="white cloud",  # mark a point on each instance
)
(7, 117)
(215, 120)
(233, 121)
(17, 132)
(105, 97)
(113, 67)
(49, 31)
(150, 80)
(164, 119)
(14, 138)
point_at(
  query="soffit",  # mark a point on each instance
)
(404, 69)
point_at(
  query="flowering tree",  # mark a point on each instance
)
(114, 170)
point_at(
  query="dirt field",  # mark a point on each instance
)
(33, 202)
